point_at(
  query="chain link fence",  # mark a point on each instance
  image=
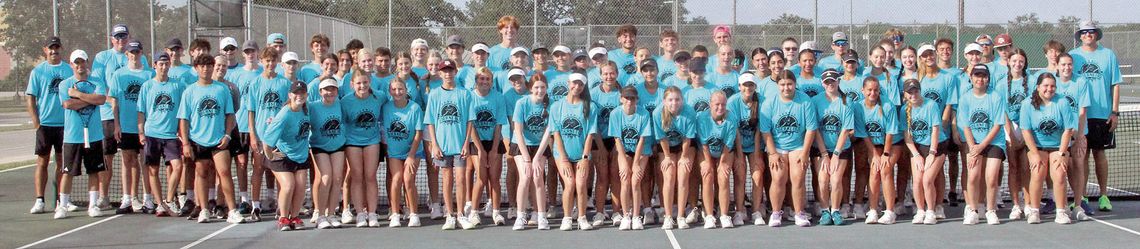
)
(85, 24)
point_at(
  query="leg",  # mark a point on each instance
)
(285, 196)
(708, 186)
(797, 172)
(396, 173)
(371, 188)
(222, 169)
(993, 181)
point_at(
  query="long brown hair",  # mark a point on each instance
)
(1024, 71)
(545, 100)
(666, 116)
(1037, 100)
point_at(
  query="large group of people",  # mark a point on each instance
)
(632, 136)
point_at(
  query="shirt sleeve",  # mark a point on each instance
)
(1024, 122)
(429, 118)
(647, 126)
(273, 132)
(144, 98)
(34, 84)
(765, 119)
(592, 120)
(1082, 94)
(184, 106)
(228, 101)
(1112, 73)
(812, 122)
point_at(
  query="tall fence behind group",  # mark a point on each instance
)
(85, 24)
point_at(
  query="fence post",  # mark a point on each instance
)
(390, 23)
(107, 31)
(151, 8)
(54, 17)
(248, 19)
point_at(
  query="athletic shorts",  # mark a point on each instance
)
(608, 143)
(75, 155)
(110, 144)
(320, 151)
(285, 164)
(950, 148)
(239, 143)
(676, 148)
(130, 141)
(993, 152)
(487, 145)
(158, 150)
(925, 150)
(48, 138)
(204, 152)
(1099, 137)
(448, 162)
(847, 154)
(384, 151)
(514, 151)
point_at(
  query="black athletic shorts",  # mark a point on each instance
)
(75, 155)
(847, 154)
(514, 151)
(239, 143)
(320, 151)
(925, 150)
(130, 141)
(204, 152)
(993, 152)
(285, 164)
(487, 145)
(951, 148)
(1099, 137)
(48, 138)
(676, 148)
(158, 150)
(608, 143)
(110, 144)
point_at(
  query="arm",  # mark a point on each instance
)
(33, 111)
(520, 141)
(184, 135)
(589, 146)
(89, 98)
(1113, 117)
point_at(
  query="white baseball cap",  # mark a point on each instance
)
(746, 77)
(327, 83)
(808, 45)
(561, 48)
(597, 51)
(78, 54)
(480, 47)
(577, 77)
(515, 72)
(418, 42)
(519, 50)
(925, 48)
(972, 47)
(289, 56)
(230, 41)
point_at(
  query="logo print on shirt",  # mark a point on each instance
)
(208, 107)
(674, 136)
(484, 119)
(558, 92)
(1048, 127)
(1013, 104)
(271, 101)
(163, 102)
(920, 129)
(629, 68)
(811, 91)
(747, 128)
(331, 128)
(853, 96)
(571, 127)
(874, 129)
(701, 105)
(1072, 101)
(715, 143)
(365, 119)
(629, 137)
(604, 116)
(132, 91)
(397, 130)
(787, 124)
(54, 86)
(667, 74)
(303, 131)
(506, 65)
(831, 123)
(535, 124)
(932, 95)
(449, 113)
(980, 121)
(1091, 71)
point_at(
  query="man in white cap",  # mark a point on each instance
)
(125, 85)
(419, 51)
(82, 141)
(806, 46)
(499, 60)
(556, 76)
(318, 45)
(105, 64)
(598, 57)
(1101, 70)
(479, 54)
(841, 46)
(623, 55)
(47, 116)
(230, 48)
(987, 44)
(519, 59)
(107, 61)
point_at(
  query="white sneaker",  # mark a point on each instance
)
(567, 223)
(584, 224)
(394, 220)
(616, 218)
(775, 219)
(930, 218)
(475, 219)
(520, 224)
(334, 221)
(346, 217)
(692, 215)
(234, 217)
(888, 217)
(60, 212)
(543, 224)
(648, 216)
(511, 213)
(939, 212)
(323, 223)
(845, 211)
(638, 223)
(803, 220)
(314, 219)
(1032, 215)
(498, 219)
(992, 218)
(203, 216)
(1062, 217)
(1015, 213)
(38, 206)
(873, 217)
(465, 222)
(757, 218)
(373, 220)
(859, 211)
(919, 217)
(549, 213)
(487, 212)
(436, 211)
(667, 223)
(969, 217)
(71, 207)
(362, 220)
(1081, 215)
(710, 222)
(468, 208)
(738, 219)
(682, 224)
(726, 221)
(600, 218)
(625, 224)
(449, 223)
(532, 219)
(414, 220)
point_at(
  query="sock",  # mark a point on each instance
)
(256, 204)
(213, 193)
(244, 196)
(148, 201)
(541, 214)
(64, 199)
(92, 198)
(189, 195)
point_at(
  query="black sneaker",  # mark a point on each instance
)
(255, 215)
(124, 210)
(190, 209)
(953, 198)
(244, 208)
(193, 215)
(146, 210)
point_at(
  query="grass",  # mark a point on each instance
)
(17, 164)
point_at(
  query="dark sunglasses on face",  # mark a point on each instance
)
(898, 38)
(1087, 31)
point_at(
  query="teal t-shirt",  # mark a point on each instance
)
(557, 84)
(924, 118)
(309, 72)
(1049, 122)
(890, 89)
(508, 103)
(720, 137)
(266, 98)
(607, 102)
(487, 113)
(499, 57)
(647, 100)
(726, 82)
(631, 128)
(1078, 96)
(181, 74)
(674, 80)
(568, 121)
(625, 62)
(810, 87)
(749, 128)
(835, 117)
(533, 119)
(43, 83)
(1014, 92)
(878, 121)
(853, 89)
(697, 98)
(289, 133)
(362, 116)
(244, 79)
(665, 68)
(126, 87)
(1101, 69)
(326, 121)
(941, 89)
(593, 77)
(400, 126)
(789, 121)
(980, 114)
(682, 126)
(446, 112)
(159, 101)
(205, 107)
(75, 120)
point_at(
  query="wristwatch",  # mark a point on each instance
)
(886, 154)
(1065, 154)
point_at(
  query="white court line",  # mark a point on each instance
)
(69, 232)
(17, 168)
(203, 239)
(1116, 226)
(672, 239)
(1116, 189)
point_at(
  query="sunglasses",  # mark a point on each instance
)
(841, 43)
(897, 38)
(120, 37)
(986, 44)
(1087, 31)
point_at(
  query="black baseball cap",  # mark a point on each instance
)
(161, 56)
(850, 56)
(682, 55)
(298, 86)
(830, 75)
(647, 63)
(53, 41)
(980, 69)
(174, 43)
(911, 85)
